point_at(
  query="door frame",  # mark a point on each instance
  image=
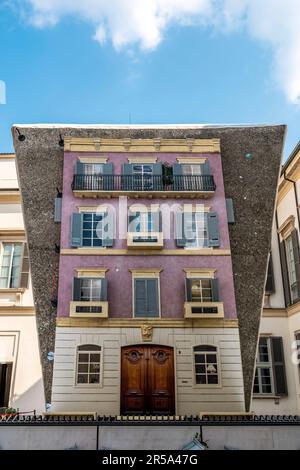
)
(150, 344)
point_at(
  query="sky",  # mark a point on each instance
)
(150, 62)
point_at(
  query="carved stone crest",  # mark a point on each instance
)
(146, 331)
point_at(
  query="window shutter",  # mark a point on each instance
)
(177, 176)
(206, 168)
(270, 285)
(157, 176)
(126, 179)
(5, 383)
(297, 338)
(279, 374)
(213, 229)
(188, 289)
(57, 209)
(157, 217)
(77, 289)
(108, 229)
(215, 290)
(285, 276)
(76, 230)
(79, 168)
(103, 290)
(296, 252)
(179, 229)
(24, 279)
(108, 176)
(152, 298)
(230, 211)
(140, 298)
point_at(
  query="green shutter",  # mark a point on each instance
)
(188, 289)
(152, 298)
(108, 176)
(296, 252)
(108, 229)
(57, 209)
(284, 272)
(206, 168)
(229, 210)
(76, 289)
(177, 177)
(157, 176)
(270, 284)
(213, 229)
(215, 290)
(157, 221)
(79, 168)
(179, 229)
(278, 363)
(126, 179)
(24, 279)
(76, 230)
(140, 298)
(104, 290)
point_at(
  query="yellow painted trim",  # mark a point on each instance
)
(91, 272)
(74, 304)
(191, 160)
(5, 156)
(293, 309)
(158, 245)
(145, 272)
(100, 209)
(12, 232)
(12, 290)
(195, 208)
(137, 323)
(10, 197)
(16, 310)
(188, 310)
(287, 227)
(88, 144)
(90, 194)
(93, 159)
(165, 252)
(274, 313)
(194, 273)
(142, 159)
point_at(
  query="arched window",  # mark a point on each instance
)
(206, 365)
(88, 364)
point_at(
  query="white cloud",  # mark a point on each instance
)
(144, 23)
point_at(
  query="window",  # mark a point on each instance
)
(144, 222)
(142, 176)
(206, 365)
(146, 297)
(93, 169)
(88, 364)
(291, 264)
(195, 229)
(92, 229)
(192, 169)
(14, 266)
(201, 290)
(297, 338)
(88, 290)
(263, 381)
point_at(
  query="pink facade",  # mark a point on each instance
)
(172, 276)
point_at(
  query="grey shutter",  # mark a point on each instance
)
(177, 177)
(285, 275)
(76, 230)
(108, 229)
(79, 168)
(295, 240)
(140, 298)
(77, 289)
(24, 279)
(179, 229)
(215, 290)
(104, 290)
(188, 289)
(157, 218)
(108, 176)
(157, 176)
(206, 168)
(57, 209)
(270, 285)
(279, 373)
(127, 178)
(213, 229)
(152, 298)
(229, 210)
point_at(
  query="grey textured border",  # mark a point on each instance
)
(252, 183)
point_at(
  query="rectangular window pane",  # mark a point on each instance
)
(11, 259)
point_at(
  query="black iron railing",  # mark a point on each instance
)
(193, 183)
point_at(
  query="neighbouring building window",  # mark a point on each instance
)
(5, 383)
(270, 376)
(270, 282)
(92, 229)
(88, 364)
(290, 260)
(292, 272)
(195, 230)
(146, 297)
(297, 338)
(14, 265)
(206, 365)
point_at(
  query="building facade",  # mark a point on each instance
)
(277, 380)
(21, 382)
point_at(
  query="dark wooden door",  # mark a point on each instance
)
(147, 380)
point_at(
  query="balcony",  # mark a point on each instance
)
(145, 240)
(203, 310)
(190, 186)
(88, 309)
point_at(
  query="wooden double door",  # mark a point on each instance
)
(147, 380)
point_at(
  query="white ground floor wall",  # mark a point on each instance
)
(19, 346)
(105, 398)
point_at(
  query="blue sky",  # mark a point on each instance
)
(194, 74)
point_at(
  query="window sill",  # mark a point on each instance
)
(13, 290)
(272, 397)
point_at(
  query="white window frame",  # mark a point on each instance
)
(11, 263)
(101, 352)
(264, 365)
(217, 353)
(146, 177)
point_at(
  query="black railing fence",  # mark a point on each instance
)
(197, 183)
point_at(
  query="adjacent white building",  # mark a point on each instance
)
(21, 384)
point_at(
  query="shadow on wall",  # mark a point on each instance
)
(31, 399)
